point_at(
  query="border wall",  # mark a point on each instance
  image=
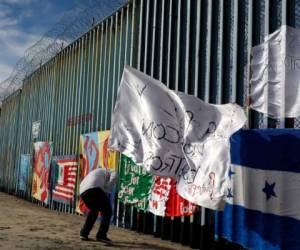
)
(198, 47)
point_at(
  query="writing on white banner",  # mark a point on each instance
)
(275, 80)
(175, 135)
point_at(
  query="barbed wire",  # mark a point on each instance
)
(71, 25)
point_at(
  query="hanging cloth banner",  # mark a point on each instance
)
(25, 166)
(66, 169)
(175, 135)
(275, 81)
(134, 184)
(94, 153)
(41, 168)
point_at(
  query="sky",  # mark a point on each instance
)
(22, 23)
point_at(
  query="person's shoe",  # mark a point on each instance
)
(103, 238)
(83, 237)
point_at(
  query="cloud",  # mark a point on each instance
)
(5, 70)
(13, 44)
(4, 23)
(4, 34)
(11, 16)
(19, 2)
(3, 11)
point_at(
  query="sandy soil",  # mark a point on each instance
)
(24, 225)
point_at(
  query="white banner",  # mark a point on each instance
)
(275, 81)
(175, 135)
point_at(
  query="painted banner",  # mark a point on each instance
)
(94, 153)
(165, 201)
(175, 135)
(89, 160)
(263, 206)
(89, 153)
(108, 159)
(176, 205)
(25, 166)
(275, 68)
(145, 192)
(66, 169)
(159, 195)
(41, 169)
(134, 184)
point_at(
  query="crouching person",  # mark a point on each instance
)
(94, 190)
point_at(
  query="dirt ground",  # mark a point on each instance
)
(24, 225)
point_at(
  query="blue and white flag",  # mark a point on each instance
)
(263, 206)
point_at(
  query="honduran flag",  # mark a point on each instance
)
(263, 204)
(66, 176)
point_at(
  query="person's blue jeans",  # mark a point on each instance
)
(97, 201)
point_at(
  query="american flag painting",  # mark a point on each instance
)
(65, 180)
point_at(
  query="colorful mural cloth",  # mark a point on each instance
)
(66, 169)
(94, 153)
(150, 193)
(134, 184)
(41, 169)
(88, 160)
(176, 205)
(263, 208)
(25, 166)
(165, 201)
(108, 159)
(159, 195)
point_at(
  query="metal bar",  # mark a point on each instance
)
(127, 57)
(84, 104)
(90, 83)
(48, 115)
(80, 89)
(169, 43)
(162, 30)
(140, 36)
(146, 37)
(133, 34)
(177, 70)
(72, 101)
(109, 82)
(104, 83)
(220, 57)
(87, 83)
(94, 56)
(66, 99)
(234, 54)
(59, 106)
(208, 45)
(153, 38)
(96, 80)
(266, 33)
(249, 48)
(187, 48)
(282, 109)
(121, 52)
(76, 132)
(99, 94)
(115, 73)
